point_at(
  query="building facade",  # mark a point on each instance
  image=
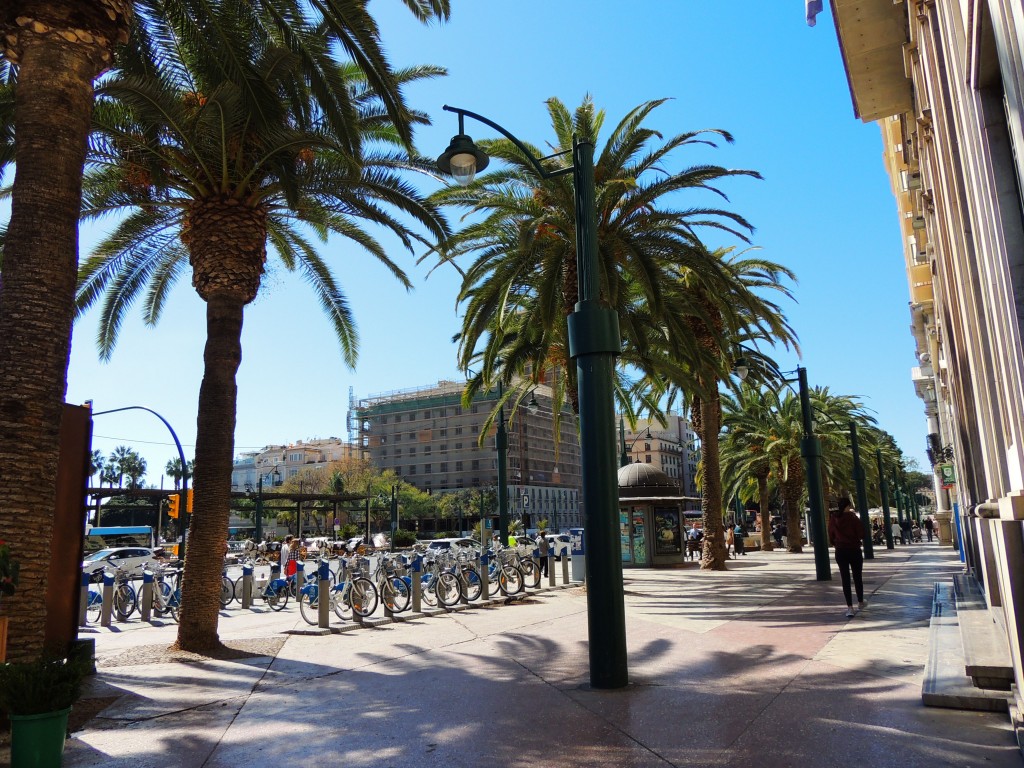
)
(945, 81)
(434, 443)
(673, 449)
(276, 463)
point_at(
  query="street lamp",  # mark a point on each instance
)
(500, 445)
(862, 494)
(594, 342)
(627, 452)
(883, 489)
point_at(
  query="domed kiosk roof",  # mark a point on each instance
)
(644, 481)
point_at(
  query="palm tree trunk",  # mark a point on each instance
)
(766, 518)
(714, 553)
(40, 263)
(215, 434)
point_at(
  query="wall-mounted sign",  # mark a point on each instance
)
(948, 475)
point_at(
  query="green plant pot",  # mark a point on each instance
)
(37, 741)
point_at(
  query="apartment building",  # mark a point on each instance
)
(276, 463)
(432, 442)
(945, 81)
(673, 449)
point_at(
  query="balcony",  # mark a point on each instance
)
(921, 291)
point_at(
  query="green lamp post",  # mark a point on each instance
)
(897, 491)
(883, 489)
(594, 343)
(862, 493)
(624, 457)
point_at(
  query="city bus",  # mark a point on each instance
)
(118, 536)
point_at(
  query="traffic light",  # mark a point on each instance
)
(173, 502)
(188, 501)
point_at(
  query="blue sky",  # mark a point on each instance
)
(751, 67)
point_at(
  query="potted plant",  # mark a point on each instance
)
(8, 582)
(37, 696)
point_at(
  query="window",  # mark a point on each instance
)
(384, 453)
(476, 429)
(426, 414)
(383, 419)
(458, 446)
(476, 482)
(444, 466)
(426, 469)
(442, 412)
(443, 448)
(443, 432)
(647, 458)
(412, 469)
(458, 466)
(412, 415)
(412, 451)
(476, 463)
(426, 450)
(476, 408)
(458, 430)
(398, 437)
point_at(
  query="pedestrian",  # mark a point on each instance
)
(897, 532)
(845, 531)
(929, 527)
(739, 533)
(906, 531)
(777, 534)
(289, 556)
(730, 543)
(543, 548)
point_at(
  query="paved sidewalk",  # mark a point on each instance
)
(756, 666)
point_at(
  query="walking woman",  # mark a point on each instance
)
(844, 528)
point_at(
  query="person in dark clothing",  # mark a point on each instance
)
(929, 526)
(906, 531)
(845, 530)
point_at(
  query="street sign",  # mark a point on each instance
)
(948, 475)
(526, 500)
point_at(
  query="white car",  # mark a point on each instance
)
(131, 559)
(560, 543)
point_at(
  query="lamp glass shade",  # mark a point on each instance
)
(741, 371)
(463, 167)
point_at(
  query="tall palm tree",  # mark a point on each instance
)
(96, 464)
(521, 284)
(174, 469)
(53, 51)
(209, 169)
(120, 459)
(746, 414)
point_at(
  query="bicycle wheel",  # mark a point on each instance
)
(531, 573)
(448, 589)
(125, 602)
(162, 593)
(510, 580)
(94, 607)
(472, 586)
(363, 597)
(277, 599)
(175, 603)
(428, 591)
(493, 575)
(340, 603)
(396, 594)
(227, 591)
(309, 606)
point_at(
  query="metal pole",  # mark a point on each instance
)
(883, 488)
(259, 508)
(501, 446)
(624, 458)
(862, 493)
(394, 517)
(594, 342)
(898, 493)
(810, 449)
(366, 543)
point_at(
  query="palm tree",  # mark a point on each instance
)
(96, 464)
(120, 459)
(54, 50)
(746, 414)
(521, 285)
(174, 470)
(135, 468)
(210, 168)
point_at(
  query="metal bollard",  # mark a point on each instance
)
(83, 600)
(146, 607)
(417, 585)
(108, 598)
(247, 570)
(551, 569)
(565, 568)
(485, 577)
(536, 564)
(323, 605)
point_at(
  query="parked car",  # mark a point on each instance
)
(131, 559)
(438, 545)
